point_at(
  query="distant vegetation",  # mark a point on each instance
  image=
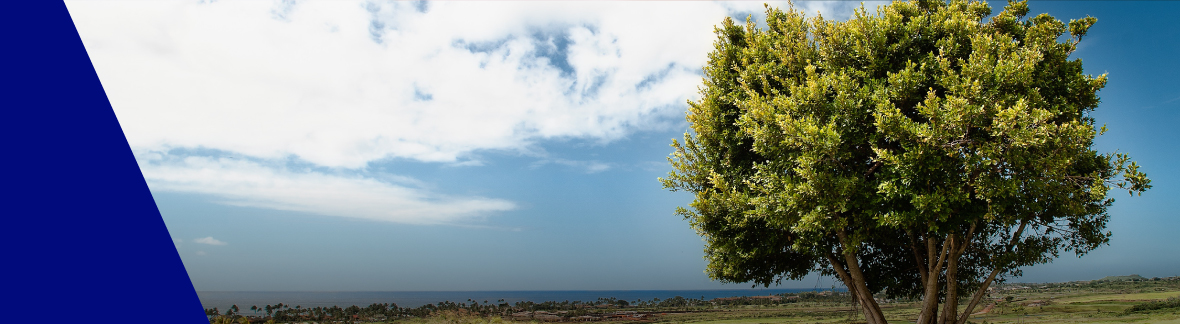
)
(527, 310)
(1111, 299)
(1170, 303)
(1133, 277)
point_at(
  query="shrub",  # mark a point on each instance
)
(1173, 302)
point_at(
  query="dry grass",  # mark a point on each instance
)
(461, 316)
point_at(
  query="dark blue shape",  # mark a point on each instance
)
(83, 239)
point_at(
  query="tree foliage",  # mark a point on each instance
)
(923, 150)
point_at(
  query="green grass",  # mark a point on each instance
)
(1079, 302)
(1122, 297)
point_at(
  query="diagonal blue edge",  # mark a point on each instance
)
(82, 238)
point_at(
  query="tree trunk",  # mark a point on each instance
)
(870, 306)
(922, 270)
(867, 302)
(872, 313)
(929, 312)
(983, 288)
(951, 302)
(958, 246)
(922, 264)
(978, 296)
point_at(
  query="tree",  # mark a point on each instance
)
(919, 151)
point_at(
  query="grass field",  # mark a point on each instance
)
(1138, 300)
(1077, 302)
(1090, 302)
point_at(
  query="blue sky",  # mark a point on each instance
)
(498, 146)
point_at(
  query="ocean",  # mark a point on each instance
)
(244, 299)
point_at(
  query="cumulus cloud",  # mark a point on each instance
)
(341, 84)
(208, 240)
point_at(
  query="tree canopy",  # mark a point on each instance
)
(920, 151)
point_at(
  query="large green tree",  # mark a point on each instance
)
(919, 151)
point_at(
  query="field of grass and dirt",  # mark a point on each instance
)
(1125, 299)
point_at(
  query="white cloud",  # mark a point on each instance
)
(586, 166)
(228, 75)
(341, 84)
(208, 240)
(242, 182)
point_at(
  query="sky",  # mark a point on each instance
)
(426, 146)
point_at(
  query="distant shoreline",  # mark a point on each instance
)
(245, 299)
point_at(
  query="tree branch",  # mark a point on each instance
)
(983, 288)
(873, 169)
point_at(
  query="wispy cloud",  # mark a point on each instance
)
(208, 240)
(585, 166)
(243, 182)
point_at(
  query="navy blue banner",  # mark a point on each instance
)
(82, 235)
